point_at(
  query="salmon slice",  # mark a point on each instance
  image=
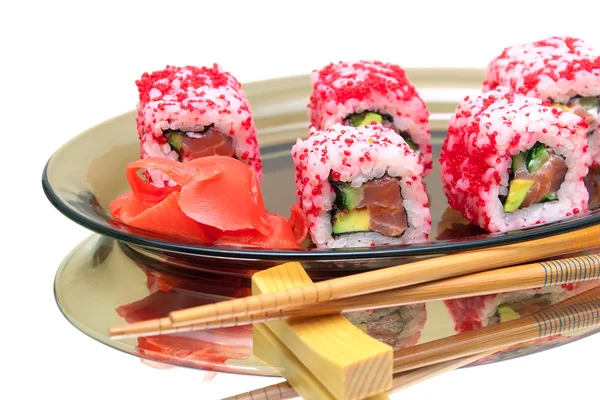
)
(211, 143)
(386, 208)
(547, 179)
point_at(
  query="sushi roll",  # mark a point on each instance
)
(480, 311)
(360, 187)
(399, 327)
(189, 112)
(366, 92)
(508, 162)
(562, 70)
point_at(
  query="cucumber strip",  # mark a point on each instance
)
(537, 157)
(517, 161)
(410, 142)
(549, 197)
(589, 102)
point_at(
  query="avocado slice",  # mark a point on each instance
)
(517, 191)
(366, 118)
(589, 102)
(348, 197)
(507, 313)
(357, 220)
(176, 140)
(537, 157)
(562, 107)
(549, 197)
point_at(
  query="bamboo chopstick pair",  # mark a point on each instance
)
(393, 277)
(421, 362)
(447, 277)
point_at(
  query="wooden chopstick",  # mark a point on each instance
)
(577, 313)
(528, 276)
(401, 380)
(393, 277)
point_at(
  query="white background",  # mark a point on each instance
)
(65, 67)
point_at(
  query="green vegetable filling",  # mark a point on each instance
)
(366, 118)
(589, 103)
(347, 218)
(532, 161)
(537, 157)
(507, 313)
(348, 197)
(374, 206)
(517, 191)
(549, 197)
(357, 220)
(175, 140)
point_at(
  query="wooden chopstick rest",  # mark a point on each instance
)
(346, 361)
(273, 352)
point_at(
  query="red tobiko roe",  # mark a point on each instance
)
(213, 199)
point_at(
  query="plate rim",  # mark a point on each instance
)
(429, 248)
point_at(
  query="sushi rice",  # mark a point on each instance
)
(191, 102)
(344, 90)
(562, 70)
(355, 156)
(486, 135)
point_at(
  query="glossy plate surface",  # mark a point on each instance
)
(88, 172)
(119, 284)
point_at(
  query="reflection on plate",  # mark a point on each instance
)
(120, 285)
(83, 194)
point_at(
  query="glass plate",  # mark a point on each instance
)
(104, 282)
(83, 176)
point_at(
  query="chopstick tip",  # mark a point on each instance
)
(142, 328)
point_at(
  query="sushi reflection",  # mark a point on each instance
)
(453, 226)
(174, 285)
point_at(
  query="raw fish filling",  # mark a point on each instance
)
(536, 176)
(396, 326)
(592, 183)
(587, 108)
(367, 117)
(376, 206)
(193, 145)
